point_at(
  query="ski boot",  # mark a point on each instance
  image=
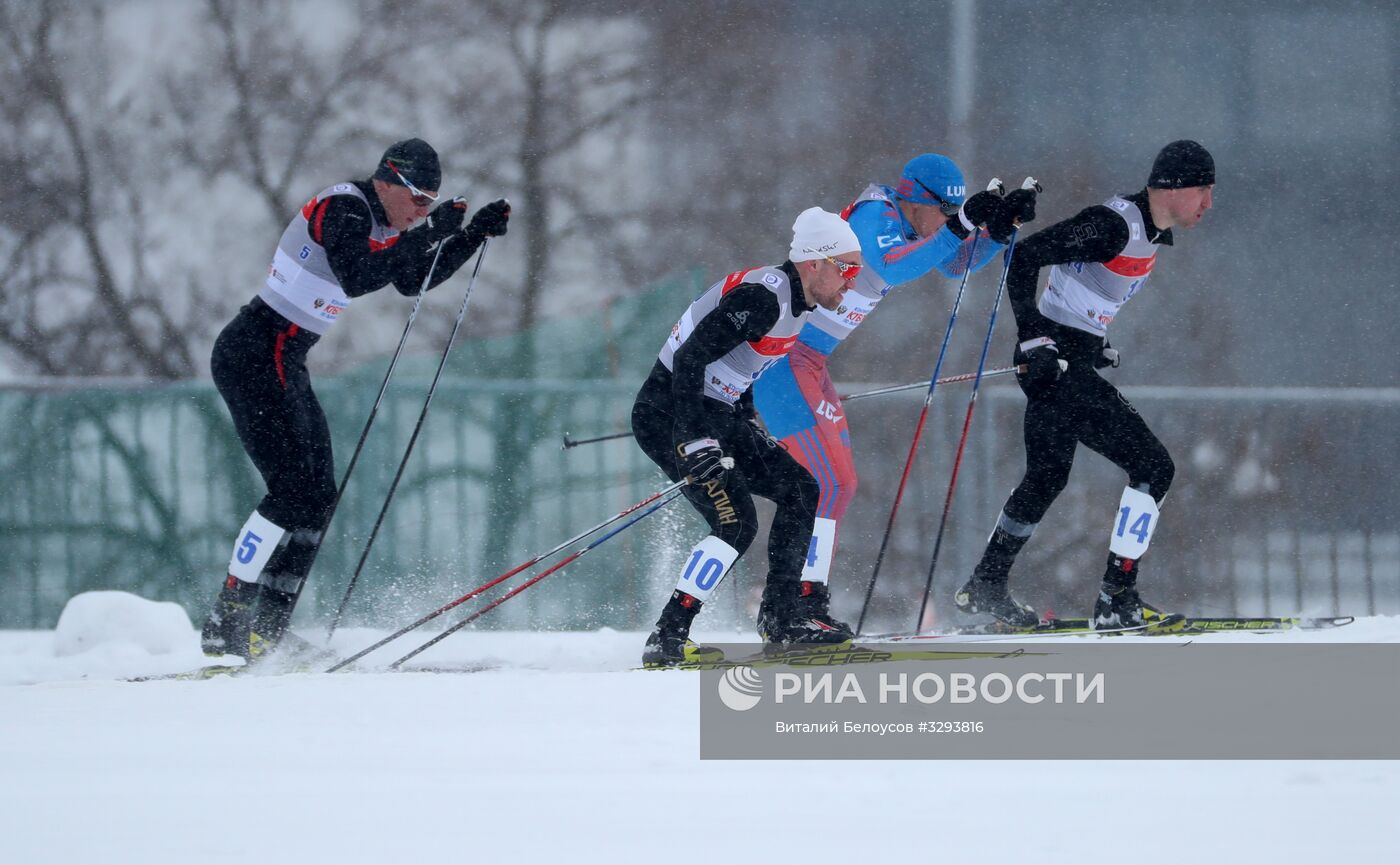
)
(1118, 604)
(228, 629)
(814, 602)
(1119, 607)
(270, 623)
(785, 619)
(669, 644)
(988, 593)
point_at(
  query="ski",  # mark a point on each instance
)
(1216, 624)
(993, 631)
(198, 674)
(1205, 625)
(294, 654)
(1173, 624)
(834, 656)
(847, 654)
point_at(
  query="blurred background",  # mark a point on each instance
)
(152, 151)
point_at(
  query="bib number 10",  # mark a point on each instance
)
(706, 567)
(703, 576)
(1137, 518)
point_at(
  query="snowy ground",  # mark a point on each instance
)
(565, 753)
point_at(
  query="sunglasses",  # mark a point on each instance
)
(420, 198)
(944, 207)
(846, 268)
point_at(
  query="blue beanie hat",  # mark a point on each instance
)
(931, 178)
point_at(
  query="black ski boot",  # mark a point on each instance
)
(270, 623)
(228, 629)
(814, 602)
(1118, 604)
(1118, 607)
(988, 593)
(670, 643)
(785, 619)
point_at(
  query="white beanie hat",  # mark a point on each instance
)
(818, 233)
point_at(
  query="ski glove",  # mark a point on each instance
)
(1108, 357)
(446, 220)
(1017, 208)
(1043, 363)
(702, 460)
(984, 208)
(490, 221)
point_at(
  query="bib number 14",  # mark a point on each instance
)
(1137, 518)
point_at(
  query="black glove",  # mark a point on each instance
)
(984, 208)
(1043, 363)
(446, 220)
(1017, 208)
(1107, 357)
(701, 460)
(490, 221)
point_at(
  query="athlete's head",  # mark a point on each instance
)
(932, 178)
(826, 254)
(407, 181)
(930, 189)
(1181, 187)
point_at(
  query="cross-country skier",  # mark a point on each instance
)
(922, 224)
(350, 239)
(696, 409)
(1098, 260)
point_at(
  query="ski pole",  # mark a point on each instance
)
(507, 575)
(899, 388)
(573, 443)
(675, 494)
(369, 422)
(413, 439)
(947, 379)
(1029, 183)
(919, 427)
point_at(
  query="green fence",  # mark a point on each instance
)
(1280, 504)
(143, 488)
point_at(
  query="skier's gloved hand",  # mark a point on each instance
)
(1108, 357)
(446, 220)
(1017, 208)
(702, 460)
(982, 209)
(490, 221)
(1043, 363)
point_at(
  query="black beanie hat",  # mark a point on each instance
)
(1182, 164)
(416, 160)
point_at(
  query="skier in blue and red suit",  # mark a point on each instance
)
(924, 223)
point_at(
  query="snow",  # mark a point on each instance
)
(563, 752)
(113, 619)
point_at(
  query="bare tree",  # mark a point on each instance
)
(78, 297)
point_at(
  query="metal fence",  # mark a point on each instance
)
(1279, 506)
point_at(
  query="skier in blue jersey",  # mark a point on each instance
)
(924, 223)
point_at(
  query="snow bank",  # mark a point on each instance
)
(94, 619)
